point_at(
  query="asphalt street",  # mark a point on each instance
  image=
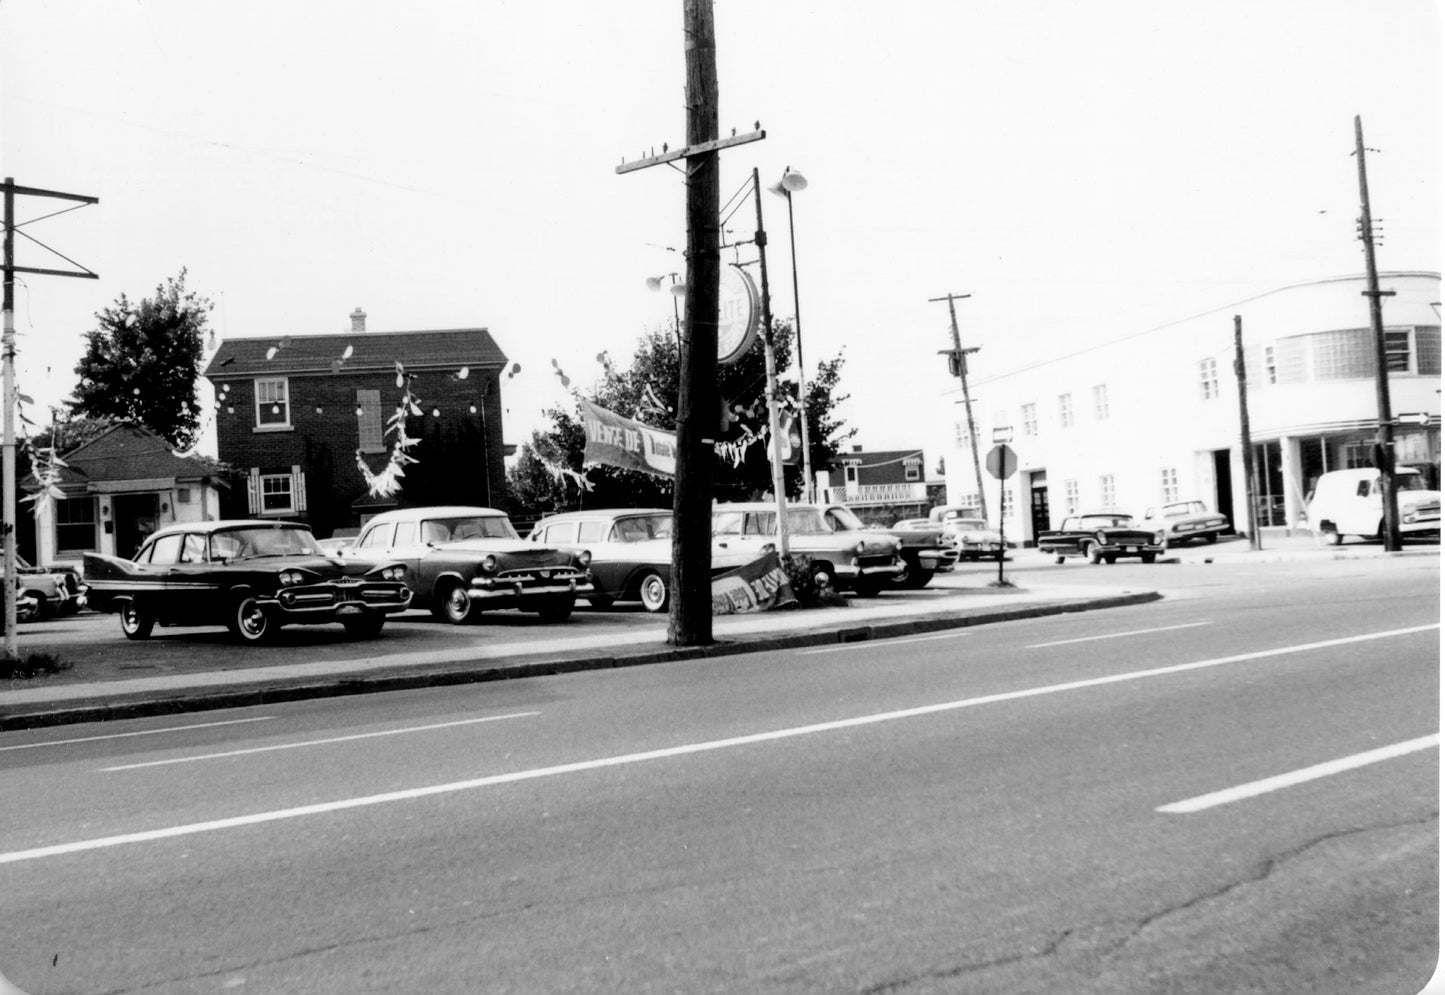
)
(1232, 789)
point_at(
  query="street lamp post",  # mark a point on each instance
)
(793, 181)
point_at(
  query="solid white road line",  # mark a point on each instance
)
(189, 829)
(1117, 635)
(142, 732)
(320, 742)
(1268, 784)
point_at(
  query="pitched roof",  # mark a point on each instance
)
(370, 351)
(127, 451)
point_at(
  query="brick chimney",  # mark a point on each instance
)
(358, 320)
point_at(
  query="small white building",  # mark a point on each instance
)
(1155, 417)
(119, 488)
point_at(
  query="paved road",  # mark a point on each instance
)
(1027, 807)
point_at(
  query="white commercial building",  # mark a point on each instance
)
(1155, 417)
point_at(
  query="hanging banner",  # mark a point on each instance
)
(753, 587)
(613, 440)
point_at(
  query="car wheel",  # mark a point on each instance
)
(1328, 537)
(364, 626)
(600, 600)
(135, 622)
(249, 622)
(653, 592)
(914, 578)
(1212, 537)
(557, 608)
(453, 605)
(43, 608)
(1147, 557)
(1092, 552)
(1109, 558)
(823, 576)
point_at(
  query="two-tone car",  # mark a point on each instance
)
(969, 533)
(923, 548)
(250, 576)
(631, 552)
(1101, 537)
(1186, 520)
(843, 553)
(56, 591)
(460, 560)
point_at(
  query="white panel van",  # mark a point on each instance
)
(1348, 502)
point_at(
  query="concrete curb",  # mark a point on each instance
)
(406, 678)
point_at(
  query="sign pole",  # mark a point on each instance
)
(1002, 544)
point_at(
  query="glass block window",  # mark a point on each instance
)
(1427, 351)
(1106, 490)
(1169, 485)
(273, 404)
(1030, 418)
(1066, 410)
(1271, 372)
(1208, 378)
(1101, 402)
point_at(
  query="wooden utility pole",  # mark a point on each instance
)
(1384, 450)
(7, 386)
(958, 363)
(1246, 447)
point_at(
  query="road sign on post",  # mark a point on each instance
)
(1002, 462)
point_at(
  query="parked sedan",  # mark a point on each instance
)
(860, 560)
(631, 552)
(251, 576)
(1184, 520)
(1101, 537)
(462, 560)
(55, 591)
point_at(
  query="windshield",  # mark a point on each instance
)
(639, 528)
(444, 530)
(259, 540)
(1184, 508)
(844, 520)
(969, 524)
(1105, 521)
(1410, 482)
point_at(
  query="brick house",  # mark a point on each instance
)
(293, 412)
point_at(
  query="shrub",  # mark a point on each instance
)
(805, 586)
(32, 665)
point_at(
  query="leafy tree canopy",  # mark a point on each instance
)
(647, 390)
(142, 361)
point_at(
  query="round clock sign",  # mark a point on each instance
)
(737, 314)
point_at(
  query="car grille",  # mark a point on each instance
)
(882, 560)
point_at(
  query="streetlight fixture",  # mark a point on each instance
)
(792, 182)
(678, 290)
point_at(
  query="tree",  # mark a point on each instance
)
(142, 362)
(647, 391)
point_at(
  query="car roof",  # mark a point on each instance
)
(611, 513)
(435, 511)
(763, 506)
(229, 523)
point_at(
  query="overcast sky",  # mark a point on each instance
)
(1083, 170)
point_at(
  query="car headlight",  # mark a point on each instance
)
(768, 547)
(1158, 538)
(1103, 539)
(584, 558)
(290, 578)
(860, 548)
(393, 572)
(489, 565)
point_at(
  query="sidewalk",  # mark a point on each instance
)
(951, 601)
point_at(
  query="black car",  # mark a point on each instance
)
(250, 576)
(1101, 536)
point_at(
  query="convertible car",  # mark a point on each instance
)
(251, 576)
(461, 560)
(631, 552)
(1101, 537)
